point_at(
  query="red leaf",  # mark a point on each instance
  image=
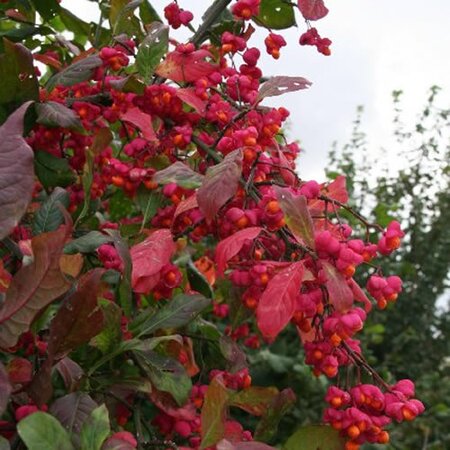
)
(79, 318)
(337, 189)
(186, 205)
(312, 9)
(278, 302)
(166, 403)
(34, 286)
(297, 215)
(213, 414)
(280, 85)
(188, 95)
(140, 120)
(231, 246)
(5, 389)
(20, 371)
(287, 175)
(360, 295)
(341, 296)
(16, 171)
(186, 67)
(220, 184)
(148, 258)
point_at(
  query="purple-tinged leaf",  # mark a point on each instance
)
(180, 174)
(340, 294)
(70, 372)
(297, 216)
(5, 389)
(16, 171)
(279, 85)
(72, 411)
(220, 184)
(77, 72)
(54, 114)
(34, 286)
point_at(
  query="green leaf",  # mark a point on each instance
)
(124, 290)
(46, 8)
(197, 280)
(52, 171)
(77, 72)
(268, 425)
(128, 84)
(148, 13)
(315, 437)
(18, 78)
(166, 374)
(148, 201)
(120, 206)
(53, 114)
(255, 399)
(275, 14)
(96, 429)
(125, 21)
(74, 24)
(49, 216)
(152, 49)
(87, 243)
(213, 414)
(41, 431)
(110, 337)
(4, 444)
(176, 313)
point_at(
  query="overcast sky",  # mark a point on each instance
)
(378, 46)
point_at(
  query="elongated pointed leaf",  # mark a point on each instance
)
(49, 216)
(73, 410)
(41, 431)
(77, 72)
(255, 400)
(16, 171)
(55, 114)
(220, 184)
(141, 120)
(214, 412)
(148, 258)
(177, 313)
(5, 389)
(280, 405)
(34, 286)
(313, 437)
(297, 216)
(87, 243)
(280, 85)
(340, 293)
(278, 302)
(181, 174)
(152, 49)
(166, 374)
(96, 429)
(232, 245)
